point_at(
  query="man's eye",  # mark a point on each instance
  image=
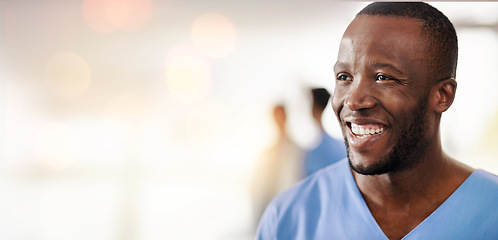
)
(343, 78)
(383, 77)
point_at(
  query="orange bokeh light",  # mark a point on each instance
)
(213, 35)
(110, 15)
(67, 74)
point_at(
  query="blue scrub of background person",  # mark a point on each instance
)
(329, 150)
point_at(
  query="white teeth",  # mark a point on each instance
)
(361, 132)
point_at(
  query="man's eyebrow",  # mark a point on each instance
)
(341, 65)
(387, 65)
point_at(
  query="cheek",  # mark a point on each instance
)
(336, 105)
(337, 100)
(405, 116)
(399, 104)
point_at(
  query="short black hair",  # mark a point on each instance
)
(320, 97)
(440, 34)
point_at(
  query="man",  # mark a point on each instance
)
(279, 167)
(329, 150)
(395, 76)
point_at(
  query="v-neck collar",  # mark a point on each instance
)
(373, 223)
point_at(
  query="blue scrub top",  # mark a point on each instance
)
(329, 205)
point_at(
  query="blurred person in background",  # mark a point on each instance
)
(279, 167)
(329, 150)
(395, 76)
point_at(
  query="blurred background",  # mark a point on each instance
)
(145, 119)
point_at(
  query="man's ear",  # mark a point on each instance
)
(444, 94)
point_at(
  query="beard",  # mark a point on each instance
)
(408, 151)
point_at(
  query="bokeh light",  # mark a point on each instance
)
(213, 35)
(188, 76)
(67, 74)
(110, 15)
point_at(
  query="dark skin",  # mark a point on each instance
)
(382, 77)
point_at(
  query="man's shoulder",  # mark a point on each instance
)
(476, 198)
(487, 176)
(316, 198)
(483, 183)
(469, 213)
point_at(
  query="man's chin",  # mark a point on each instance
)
(371, 167)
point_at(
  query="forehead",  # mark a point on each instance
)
(399, 39)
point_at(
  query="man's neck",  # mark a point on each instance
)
(432, 174)
(399, 201)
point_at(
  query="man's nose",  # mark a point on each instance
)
(360, 96)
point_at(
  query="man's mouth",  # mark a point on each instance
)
(366, 130)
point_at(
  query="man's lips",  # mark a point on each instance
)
(363, 132)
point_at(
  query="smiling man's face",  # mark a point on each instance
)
(383, 83)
